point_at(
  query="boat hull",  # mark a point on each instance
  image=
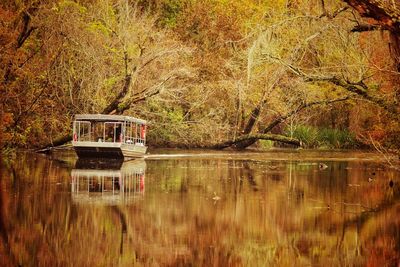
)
(108, 150)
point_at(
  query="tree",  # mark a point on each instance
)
(101, 58)
(342, 64)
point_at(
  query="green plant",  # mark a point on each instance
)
(313, 137)
(306, 134)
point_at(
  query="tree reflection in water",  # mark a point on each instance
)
(270, 212)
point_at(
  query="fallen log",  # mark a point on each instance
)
(255, 137)
(282, 118)
(58, 142)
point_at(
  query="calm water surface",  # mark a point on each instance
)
(194, 208)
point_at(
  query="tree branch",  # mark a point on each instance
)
(26, 30)
(359, 88)
(334, 13)
(384, 14)
(365, 28)
(300, 108)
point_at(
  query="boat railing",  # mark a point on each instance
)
(135, 141)
(109, 132)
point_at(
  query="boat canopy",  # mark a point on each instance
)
(108, 118)
(98, 130)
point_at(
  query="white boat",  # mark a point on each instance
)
(109, 136)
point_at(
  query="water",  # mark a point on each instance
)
(196, 208)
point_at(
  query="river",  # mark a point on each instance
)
(201, 208)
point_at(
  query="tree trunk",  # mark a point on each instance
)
(26, 31)
(385, 14)
(58, 142)
(394, 46)
(255, 137)
(255, 113)
(113, 106)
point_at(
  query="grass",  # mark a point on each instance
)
(313, 137)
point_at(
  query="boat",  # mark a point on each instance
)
(109, 136)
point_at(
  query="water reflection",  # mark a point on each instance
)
(107, 182)
(200, 211)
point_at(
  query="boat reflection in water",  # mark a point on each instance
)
(107, 182)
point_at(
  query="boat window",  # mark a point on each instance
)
(97, 131)
(129, 138)
(82, 131)
(140, 134)
(135, 133)
(113, 132)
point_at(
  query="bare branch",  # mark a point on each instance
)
(365, 28)
(359, 88)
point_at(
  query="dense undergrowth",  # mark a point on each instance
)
(314, 137)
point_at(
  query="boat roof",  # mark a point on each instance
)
(102, 117)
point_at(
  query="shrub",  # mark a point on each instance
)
(313, 137)
(306, 134)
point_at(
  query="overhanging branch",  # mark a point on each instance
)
(359, 88)
(300, 108)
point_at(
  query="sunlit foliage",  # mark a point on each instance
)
(201, 72)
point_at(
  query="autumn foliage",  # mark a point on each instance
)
(202, 72)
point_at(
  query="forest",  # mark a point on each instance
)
(209, 73)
